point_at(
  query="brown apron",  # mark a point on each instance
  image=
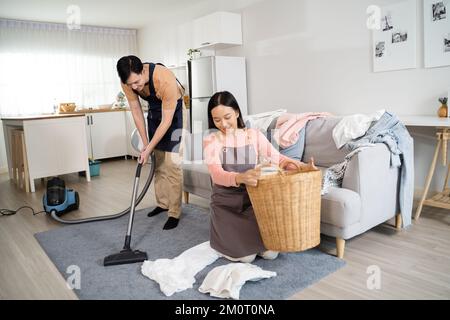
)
(234, 231)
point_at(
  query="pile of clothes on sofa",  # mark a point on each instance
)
(287, 131)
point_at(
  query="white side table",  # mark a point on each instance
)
(442, 125)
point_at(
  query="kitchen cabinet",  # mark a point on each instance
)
(106, 134)
(169, 49)
(177, 41)
(184, 43)
(217, 31)
(55, 144)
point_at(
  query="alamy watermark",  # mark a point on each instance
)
(73, 21)
(374, 19)
(73, 281)
(374, 280)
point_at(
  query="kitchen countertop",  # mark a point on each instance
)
(83, 111)
(78, 113)
(43, 116)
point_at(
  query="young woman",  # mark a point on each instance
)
(232, 154)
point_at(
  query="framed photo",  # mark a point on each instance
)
(436, 33)
(394, 45)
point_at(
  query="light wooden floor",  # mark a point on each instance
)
(414, 263)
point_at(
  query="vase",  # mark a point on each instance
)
(197, 55)
(443, 111)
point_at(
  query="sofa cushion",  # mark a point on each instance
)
(196, 174)
(340, 207)
(294, 151)
(319, 143)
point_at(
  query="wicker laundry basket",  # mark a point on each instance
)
(287, 209)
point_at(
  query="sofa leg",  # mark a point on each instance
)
(340, 247)
(398, 221)
(186, 197)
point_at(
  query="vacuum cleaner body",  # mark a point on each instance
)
(60, 199)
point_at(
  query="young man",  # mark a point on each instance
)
(158, 86)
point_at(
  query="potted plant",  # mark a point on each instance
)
(193, 53)
(443, 110)
(121, 100)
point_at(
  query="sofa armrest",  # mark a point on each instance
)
(369, 173)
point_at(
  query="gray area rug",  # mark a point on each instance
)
(86, 245)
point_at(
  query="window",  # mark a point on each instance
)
(43, 64)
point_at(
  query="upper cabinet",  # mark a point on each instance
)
(174, 45)
(217, 31)
(212, 32)
(184, 36)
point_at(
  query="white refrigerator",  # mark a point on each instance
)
(208, 75)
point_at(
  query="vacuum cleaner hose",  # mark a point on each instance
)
(120, 214)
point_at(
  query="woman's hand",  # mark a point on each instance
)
(249, 178)
(145, 154)
(290, 165)
(297, 165)
(310, 166)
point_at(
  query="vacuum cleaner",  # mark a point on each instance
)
(137, 144)
(58, 199)
(127, 255)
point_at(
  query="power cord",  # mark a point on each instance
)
(8, 212)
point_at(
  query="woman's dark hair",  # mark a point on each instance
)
(127, 65)
(226, 99)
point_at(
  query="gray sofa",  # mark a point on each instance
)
(369, 192)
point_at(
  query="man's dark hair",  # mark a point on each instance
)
(127, 65)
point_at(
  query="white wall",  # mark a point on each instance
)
(316, 55)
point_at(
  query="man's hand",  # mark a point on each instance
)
(145, 154)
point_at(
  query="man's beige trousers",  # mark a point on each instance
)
(168, 182)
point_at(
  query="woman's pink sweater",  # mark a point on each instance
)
(214, 144)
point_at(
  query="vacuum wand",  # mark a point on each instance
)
(132, 208)
(127, 255)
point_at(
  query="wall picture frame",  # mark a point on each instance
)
(395, 43)
(436, 18)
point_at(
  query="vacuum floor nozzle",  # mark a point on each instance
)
(125, 256)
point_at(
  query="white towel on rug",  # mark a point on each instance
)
(226, 281)
(178, 274)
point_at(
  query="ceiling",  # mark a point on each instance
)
(112, 13)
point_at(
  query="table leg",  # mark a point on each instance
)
(8, 137)
(446, 179)
(428, 181)
(444, 147)
(32, 188)
(14, 159)
(26, 173)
